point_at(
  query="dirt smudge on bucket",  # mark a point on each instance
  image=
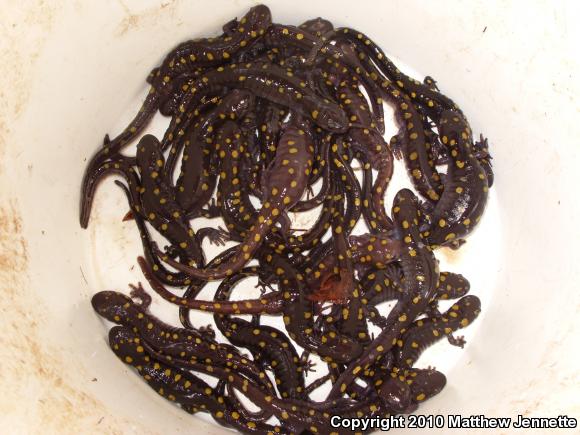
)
(42, 389)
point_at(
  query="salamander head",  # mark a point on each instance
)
(331, 117)
(239, 101)
(259, 16)
(111, 305)
(317, 26)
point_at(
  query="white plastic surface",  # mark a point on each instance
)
(73, 71)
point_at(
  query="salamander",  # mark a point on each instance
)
(267, 344)
(424, 95)
(195, 170)
(271, 303)
(421, 275)
(181, 386)
(158, 269)
(175, 342)
(293, 416)
(466, 187)
(368, 142)
(413, 143)
(211, 52)
(386, 285)
(159, 206)
(110, 150)
(426, 332)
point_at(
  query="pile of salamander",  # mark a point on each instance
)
(283, 117)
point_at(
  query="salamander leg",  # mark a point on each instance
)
(396, 145)
(305, 363)
(456, 341)
(207, 330)
(138, 292)
(456, 244)
(255, 320)
(265, 283)
(482, 154)
(431, 83)
(171, 251)
(216, 236)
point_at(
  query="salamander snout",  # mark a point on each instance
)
(259, 14)
(395, 394)
(427, 383)
(334, 119)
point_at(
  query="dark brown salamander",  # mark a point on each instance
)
(174, 342)
(466, 187)
(426, 96)
(211, 52)
(271, 303)
(421, 275)
(179, 385)
(195, 176)
(426, 332)
(297, 416)
(268, 345)
(110, 150)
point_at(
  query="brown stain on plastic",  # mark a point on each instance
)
(22, 34)
(41, 391)
(134, 21)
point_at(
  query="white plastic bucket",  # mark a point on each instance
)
(73, 71)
